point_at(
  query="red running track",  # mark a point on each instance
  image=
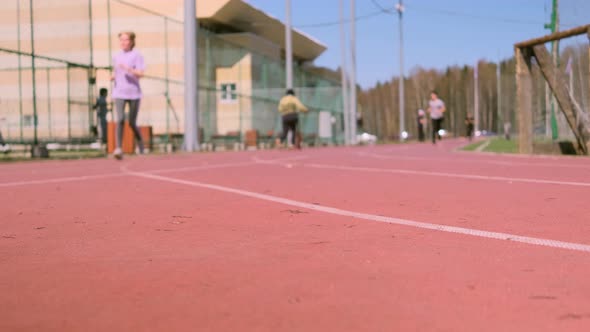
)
(385, 238)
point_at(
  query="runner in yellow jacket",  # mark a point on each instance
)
(289, 108)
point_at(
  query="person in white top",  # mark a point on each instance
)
(436, 109)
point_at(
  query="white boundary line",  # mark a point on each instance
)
(483, 146)
(255, 161)
(61, 180)
(470, 160)
(281, 161)
(397, 221)
(448, 175)
(118, 174)
(458, 145)
(278, 161)
(202, 167)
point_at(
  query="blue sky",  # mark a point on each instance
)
(437, 33)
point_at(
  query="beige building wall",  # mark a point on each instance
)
(62, 31)
(235, 115)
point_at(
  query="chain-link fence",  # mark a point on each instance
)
(55, 56)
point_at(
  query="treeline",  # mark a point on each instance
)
(379, 105)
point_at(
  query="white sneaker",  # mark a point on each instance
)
(118, 154)
(96, 145)
(140, 152)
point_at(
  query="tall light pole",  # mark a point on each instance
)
(288, 46)
(353, 98)
(554, 27)
(33, 74)
(499, 114)
(476, 96)
(402, 120)
(343, 74)
(191, 87)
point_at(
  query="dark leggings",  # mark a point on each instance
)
(290, 122)
(436, 126)
(133, 110)
(102, 121)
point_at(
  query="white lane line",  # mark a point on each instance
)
(448, 175)
(279, 160)
(202, 167)
(109, 175)
(155, 171)
(483, 146)
(255, 161)
(471, 160)
(61, 180)
(365, 216)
